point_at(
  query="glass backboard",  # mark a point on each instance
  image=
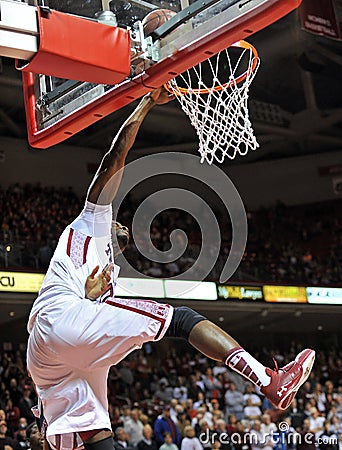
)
(58, 108)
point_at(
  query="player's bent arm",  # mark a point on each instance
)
(104, 185)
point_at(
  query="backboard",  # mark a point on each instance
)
(58, 108)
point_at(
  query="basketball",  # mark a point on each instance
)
(156, 19)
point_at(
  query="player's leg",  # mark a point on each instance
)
(279, 386)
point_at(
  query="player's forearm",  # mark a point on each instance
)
(125, 138)
(104, 186)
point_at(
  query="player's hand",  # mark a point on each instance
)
(97, 285)
(161, 96)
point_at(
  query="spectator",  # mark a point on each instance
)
(126, 414)
(241, 439)
(207, 431)
(221, 432)
(190, 410)
(164, 424)
(182, 421)
(196, 387)
(306, 438)
(212, 385)
(168, 444)
(21, 437)
(316, 421)
(180, 391)
(147, 442)
(336, 425)
(216, 444)
(191, 442)
(206, 414)
(328, 439)
(12, 416)
(5, 439)
(259, 439)
(25, 405)
(234, 402)
(35, 438)
(126, 376)
(121, 440)
(115, 416)
(134, 428)
(319, 397)
(285, 437)
(164, 393)
(175, 408)
(296, 416)
(231, 426)
(267, 426)
(250, 411)
(22, 422)
(14, 392)
(251, 395)
(199, 401)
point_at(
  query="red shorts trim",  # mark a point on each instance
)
(85, 435)
(162, 320)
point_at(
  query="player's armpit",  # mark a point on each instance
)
(96, 285)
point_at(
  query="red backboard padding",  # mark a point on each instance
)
(79, 49)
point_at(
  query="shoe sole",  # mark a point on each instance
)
(307, 366)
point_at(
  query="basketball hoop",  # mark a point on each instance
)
(217, 108)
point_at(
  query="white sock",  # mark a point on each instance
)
(247, 366)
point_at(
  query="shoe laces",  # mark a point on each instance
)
(283, 369)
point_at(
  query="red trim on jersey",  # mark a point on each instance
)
(71, 232)
(85, 249)
(139, 311)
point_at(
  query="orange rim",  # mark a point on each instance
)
(243, 76)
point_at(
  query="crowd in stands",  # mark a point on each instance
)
(301, 244)
(183, 401)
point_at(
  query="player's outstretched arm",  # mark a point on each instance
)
(104, 185)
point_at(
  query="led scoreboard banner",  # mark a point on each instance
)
(25, 282)
(20, 282)
(253, 293)
(285, 294)
(324, 295)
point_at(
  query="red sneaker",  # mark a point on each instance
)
(286, 381)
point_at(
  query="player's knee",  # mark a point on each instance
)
(183, 321)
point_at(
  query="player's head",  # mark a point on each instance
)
(120, 237)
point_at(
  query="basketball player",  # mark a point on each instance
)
(78, 328)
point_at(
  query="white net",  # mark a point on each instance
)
(214, 94)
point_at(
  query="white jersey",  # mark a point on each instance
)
(74, 341)
(83, 245)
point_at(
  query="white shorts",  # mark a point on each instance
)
(69, 357)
